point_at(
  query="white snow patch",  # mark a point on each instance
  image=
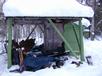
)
(69, 8)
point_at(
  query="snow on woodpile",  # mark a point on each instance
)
(62, 8)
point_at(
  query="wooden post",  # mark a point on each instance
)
(62, 37)
(9, 24)
(81, 41)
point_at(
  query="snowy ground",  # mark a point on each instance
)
(92, 48)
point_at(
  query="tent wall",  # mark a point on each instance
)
(71, 34)
(78, 42)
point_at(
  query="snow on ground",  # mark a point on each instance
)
(92, 48)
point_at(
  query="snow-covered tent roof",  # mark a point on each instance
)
(43, 8)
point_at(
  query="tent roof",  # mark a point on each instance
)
(46, 8)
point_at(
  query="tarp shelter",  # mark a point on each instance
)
(47, 9)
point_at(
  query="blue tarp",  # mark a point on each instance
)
(38, 62)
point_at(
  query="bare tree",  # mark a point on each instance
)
(2, 19)
(82, 1)
(93, 20)
(1, 5)
(1, 9)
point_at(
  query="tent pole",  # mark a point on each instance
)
(81, 41)
(9, 23)
(62, 37)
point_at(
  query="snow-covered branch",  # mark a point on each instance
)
(99, 22)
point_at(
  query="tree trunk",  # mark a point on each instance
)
(1, 5)
(93, 22)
